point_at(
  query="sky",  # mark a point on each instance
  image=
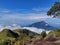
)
(25, 12)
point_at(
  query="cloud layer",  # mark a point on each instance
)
(22, 16)
(15, 26)
(25, 16)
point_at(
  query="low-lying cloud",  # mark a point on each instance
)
(15, 26)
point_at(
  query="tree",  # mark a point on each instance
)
(43, 34)
(54, 9)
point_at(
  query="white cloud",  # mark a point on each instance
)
(40, 9)
(4, 10)
(15, 16)
(15, 26)
(39, 16)
(12, 27)
(36, 9)
(24, 16)
(36, 29)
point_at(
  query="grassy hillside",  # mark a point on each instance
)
(18, 36)
(53, 35)
(27, 37)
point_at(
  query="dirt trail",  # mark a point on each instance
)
(45, 43)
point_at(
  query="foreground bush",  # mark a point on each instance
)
(43, 34)
(5, 42)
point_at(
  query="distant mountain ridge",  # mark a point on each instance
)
(7, 33)
(42, 25)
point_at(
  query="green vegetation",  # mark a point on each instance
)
(24, 36)
(17, 36)
(54, 8)
(43, 34)
(53, 34)
(5, 42)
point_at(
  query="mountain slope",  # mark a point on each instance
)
(17, 33)
(42, 25)
(5, 33)
(25, 32)
(53, 35)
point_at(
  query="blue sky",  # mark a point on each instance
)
(26, 4)
(26, 11)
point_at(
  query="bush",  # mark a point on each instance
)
(43, 34)
(5, 42)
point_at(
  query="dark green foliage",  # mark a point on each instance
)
(9, 33)
(53, 34)
(43, 34)
(29, 33)
(26, 31)
(57, 30)
(16, 36)
(54, 8)
(5, 42)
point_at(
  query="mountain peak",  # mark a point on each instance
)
(42, 22)
(42, 25)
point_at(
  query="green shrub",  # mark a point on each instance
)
(43, 34)
(5, 42)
